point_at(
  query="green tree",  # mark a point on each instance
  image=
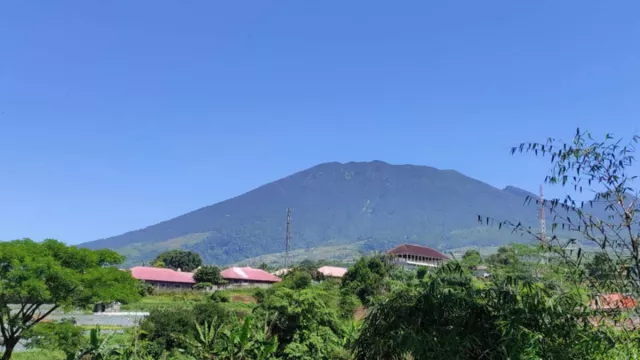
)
(209, 274)
(471, 259)
(184, 260)
(306, 326)
(447, 317)
(366, 278)
(50, 273)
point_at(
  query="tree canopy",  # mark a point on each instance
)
(51, 273)
(184, 260)
(208, 274)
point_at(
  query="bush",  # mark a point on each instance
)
(300, 280)
(219, 297)
(160, 326)
(208, 311)
(202, 286)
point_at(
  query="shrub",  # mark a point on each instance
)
(202, 286)
(160, 326)
(219, 297)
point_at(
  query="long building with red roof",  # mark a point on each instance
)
(248, 276)
(415, 255)
(163, 278)
(171, 279)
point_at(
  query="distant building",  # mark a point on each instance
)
(163, 278)
(333, 271)
(481, 271)
(247, 276)
(412, 256)
(614, 301)
(281, 272)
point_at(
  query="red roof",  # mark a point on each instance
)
(333, 271)
(159, 274)
(248, 273)
(416, 250)
(613, 301)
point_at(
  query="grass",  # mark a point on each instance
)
(163, 300)
(38, 355)
(241, 301)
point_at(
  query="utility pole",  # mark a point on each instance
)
(287, 240)
(541, 217)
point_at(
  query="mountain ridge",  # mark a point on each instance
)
(374, 203)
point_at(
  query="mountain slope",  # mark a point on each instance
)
(375, 203)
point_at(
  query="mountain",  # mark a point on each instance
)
(374, 204)
(520, 192)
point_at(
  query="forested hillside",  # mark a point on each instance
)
(375, 204)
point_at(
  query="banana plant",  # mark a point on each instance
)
(205, 342)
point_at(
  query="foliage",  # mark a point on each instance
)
(297, 280)
(160, 325)
(219, 297)
(471, 259)
(33, 274)
(145, 289)
(609, 221)
(178, 259)
(209, 274)
(366, 278)
(64, 336)
(306, 327)
(447, 317)
(202, 285)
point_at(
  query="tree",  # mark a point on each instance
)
(183, 260)
(209, 274)
(471, 259)
(306, 327)
(40, 278)
(447, 317)
(365, 279)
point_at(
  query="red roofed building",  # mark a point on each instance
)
(410, 256)
(615, 301)
(247, 276)
(163, 278)
(333, 271)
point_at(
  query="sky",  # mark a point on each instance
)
(117, 115)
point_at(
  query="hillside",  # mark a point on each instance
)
(374, 204)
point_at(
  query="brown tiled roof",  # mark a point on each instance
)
(407, 249)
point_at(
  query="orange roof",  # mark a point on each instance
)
(613, 301)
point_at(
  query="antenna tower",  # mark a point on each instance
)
(543, 221)
(287, 240)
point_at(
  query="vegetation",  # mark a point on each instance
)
(208, 274)
(178, 260)
(542, 301)
(50, 273)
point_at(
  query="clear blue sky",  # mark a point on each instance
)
(117, 115)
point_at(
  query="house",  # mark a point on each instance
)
(247, 276)
(412, 256)
(281, 272)
(163, 278)
(616, 301)
(333, 271)
(481, 271)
